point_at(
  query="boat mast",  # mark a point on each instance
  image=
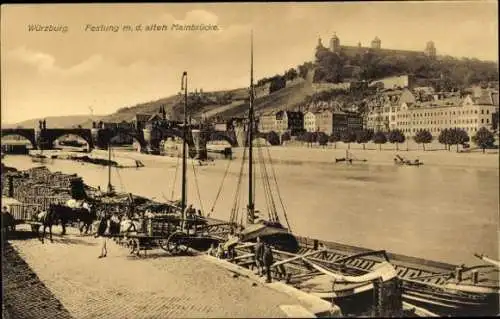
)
(184, 146)
(110, 187)
(251, 204)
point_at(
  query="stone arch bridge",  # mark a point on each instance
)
(148, 138)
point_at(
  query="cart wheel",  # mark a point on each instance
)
(175, 244)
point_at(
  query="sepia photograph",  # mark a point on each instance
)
(250, 160)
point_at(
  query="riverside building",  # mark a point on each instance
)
(468, 114)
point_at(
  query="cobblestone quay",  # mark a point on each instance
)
(159, 286)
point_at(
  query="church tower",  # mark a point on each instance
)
(335, 43)
(376, 43)
(430, 49)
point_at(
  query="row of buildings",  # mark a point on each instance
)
(401, 110)
(296, 122)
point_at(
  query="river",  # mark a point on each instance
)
(434, 212)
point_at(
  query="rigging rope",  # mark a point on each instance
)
(236, 205)
(220, 187)
(197, 188)
(273, 215)
(118, 173)
(175, 179)
(277, 188)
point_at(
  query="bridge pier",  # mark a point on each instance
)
(99, 139)
(241, 135)
(42, 139)
(200, 143)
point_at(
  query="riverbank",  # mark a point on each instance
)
(159, 286)
(302, 155)
(97, 157)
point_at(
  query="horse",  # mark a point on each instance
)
(63, 214)
(47, 219)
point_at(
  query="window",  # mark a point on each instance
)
(482, 111)
(487, 111)
(482, 121)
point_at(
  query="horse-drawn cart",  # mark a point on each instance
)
(169, 232)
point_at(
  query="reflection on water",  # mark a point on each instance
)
(435, 212)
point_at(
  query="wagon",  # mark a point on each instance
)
(25, 214)
(172, 233)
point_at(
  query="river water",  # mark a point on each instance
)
(434, 212)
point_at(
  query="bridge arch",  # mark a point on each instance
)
(175, 132)
(266, 136)
(51, 135)
(28, 134)
(136, 137)
(222, 136)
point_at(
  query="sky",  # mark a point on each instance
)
(76, 69)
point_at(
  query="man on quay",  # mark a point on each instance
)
(101, 232)
(259, 249)
(268, 261)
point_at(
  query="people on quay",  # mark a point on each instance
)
(101, 232)
(259, 249)
(220, 251)
(212, 251)
(199, 213)
(268, 260)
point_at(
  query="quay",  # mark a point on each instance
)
(159, 286)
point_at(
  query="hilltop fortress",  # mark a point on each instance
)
(376, 45)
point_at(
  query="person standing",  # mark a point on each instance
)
(101, 232)
(268, 261)
(259, 249)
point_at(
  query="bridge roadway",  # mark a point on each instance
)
(159, 286)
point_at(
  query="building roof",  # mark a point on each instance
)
(154, 116)
(141, 117)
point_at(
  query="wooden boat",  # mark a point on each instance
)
(39, 158)
(398, 160)
(440, 288)
(349, 158)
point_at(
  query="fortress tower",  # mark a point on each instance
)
(335, 43)
(376, 43)
(430, 49)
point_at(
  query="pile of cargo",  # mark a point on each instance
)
(42, 187)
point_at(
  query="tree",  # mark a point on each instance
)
(322, 138)
(379, 138)
(308, 137)
(277, 83)
(364, 136)
(285, 137)
(458, 136)
(334, 138)
(396, 136)
(348, 136)
(484, 138)
(444, 138)
(423, 137)
(273, 138)
(291, 74)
